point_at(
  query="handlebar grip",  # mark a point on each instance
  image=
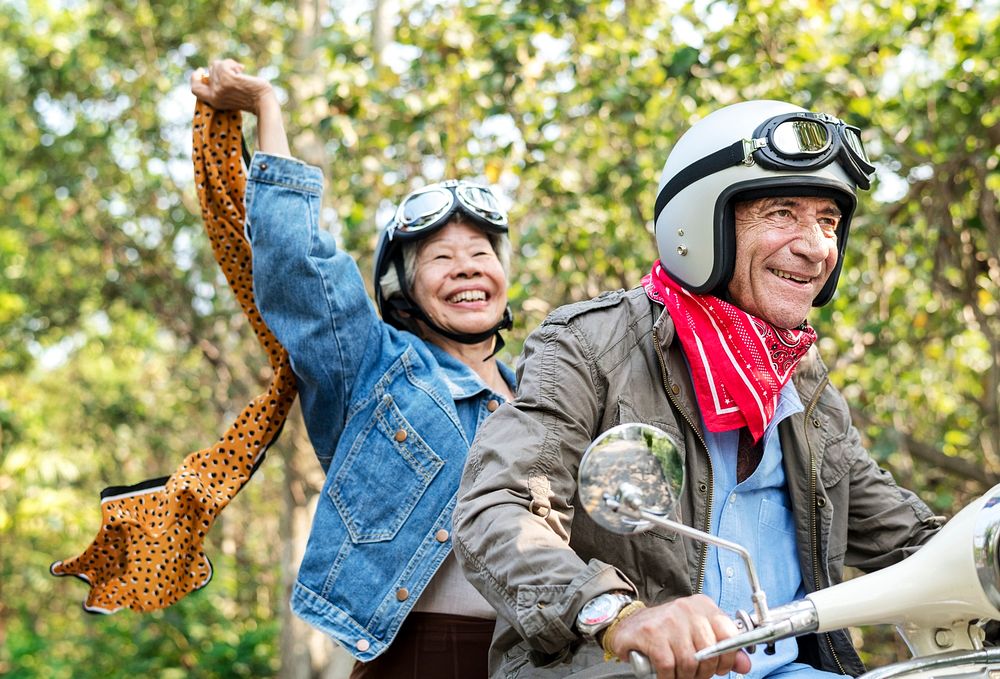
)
(641, 667)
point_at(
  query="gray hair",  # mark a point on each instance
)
(390, 281)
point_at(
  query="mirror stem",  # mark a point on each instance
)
(628, 499)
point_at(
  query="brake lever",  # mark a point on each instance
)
(790, 620)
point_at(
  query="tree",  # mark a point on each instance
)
(121, 349)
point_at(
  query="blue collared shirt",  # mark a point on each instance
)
(756, 514)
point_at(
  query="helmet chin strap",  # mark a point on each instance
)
(407, 306)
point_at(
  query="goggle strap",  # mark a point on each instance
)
(729, 156)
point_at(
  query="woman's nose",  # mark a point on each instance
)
(467, 266)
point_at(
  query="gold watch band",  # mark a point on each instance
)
(607, 634)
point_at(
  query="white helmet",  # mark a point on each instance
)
(746, 151)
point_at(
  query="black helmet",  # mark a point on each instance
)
(420, 214)
(746, 151)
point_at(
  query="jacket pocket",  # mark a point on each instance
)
(386, 472)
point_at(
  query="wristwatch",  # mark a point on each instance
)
(600, 612)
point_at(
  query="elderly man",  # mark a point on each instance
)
(752, 218)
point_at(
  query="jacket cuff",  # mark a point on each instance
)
(547, 613)
(291, 172)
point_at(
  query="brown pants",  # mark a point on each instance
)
(433, 646)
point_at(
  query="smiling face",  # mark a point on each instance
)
(786, 249)
(459, 282)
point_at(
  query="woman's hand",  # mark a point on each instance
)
(225, 87)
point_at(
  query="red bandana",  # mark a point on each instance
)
(739, 362)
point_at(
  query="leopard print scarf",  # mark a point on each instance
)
(148, 552)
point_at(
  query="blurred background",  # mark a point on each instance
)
(122, 349)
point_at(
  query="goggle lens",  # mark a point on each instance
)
(801, 137)
(425, 207)
(853, 138)
(482, 201)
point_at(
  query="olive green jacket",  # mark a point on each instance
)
(614, 359)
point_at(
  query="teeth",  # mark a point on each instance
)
(468, 296)
(785, 274)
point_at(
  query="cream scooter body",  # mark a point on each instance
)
(933, 596)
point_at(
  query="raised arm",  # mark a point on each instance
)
(309, 292)
(227, 88)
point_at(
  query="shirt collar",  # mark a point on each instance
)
(789, 403)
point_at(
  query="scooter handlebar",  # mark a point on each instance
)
(790, 620)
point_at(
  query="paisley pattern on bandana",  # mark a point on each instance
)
(739, 363)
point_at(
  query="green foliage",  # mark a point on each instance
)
(121, 349)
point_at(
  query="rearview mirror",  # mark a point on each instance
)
(626, 468)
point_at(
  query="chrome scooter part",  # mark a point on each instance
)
(790, 620)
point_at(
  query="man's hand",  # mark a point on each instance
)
(225, 87)
(669, 634)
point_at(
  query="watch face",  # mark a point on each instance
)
(599, 609)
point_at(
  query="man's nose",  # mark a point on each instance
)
(813, 242)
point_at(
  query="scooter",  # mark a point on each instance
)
(939, 599)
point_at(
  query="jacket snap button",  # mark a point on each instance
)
(362, 645)
(675, 389)
(441, 535)
(817, 423)
(263, 166)
(402, 594)
(492, 405)
(702, 487)
(821, 502)
(400, 435)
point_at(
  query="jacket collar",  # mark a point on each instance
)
(678, 376)
(462, 380)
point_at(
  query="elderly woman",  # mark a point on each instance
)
(391, 403)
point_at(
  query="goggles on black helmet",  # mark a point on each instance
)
(432, 206)
(792, 141)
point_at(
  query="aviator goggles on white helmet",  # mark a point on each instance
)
(433, 206)
(798, 141)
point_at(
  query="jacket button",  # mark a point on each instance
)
(441, 535)
(263, 166)
(400, 435)
(821, 502)
(492, 404)
(702, 487)
(675, 389)
(817, 423)
(362, 645)
(402, 594)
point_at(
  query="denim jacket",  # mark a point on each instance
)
(391, 418)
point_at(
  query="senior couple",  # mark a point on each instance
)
(447, 541)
